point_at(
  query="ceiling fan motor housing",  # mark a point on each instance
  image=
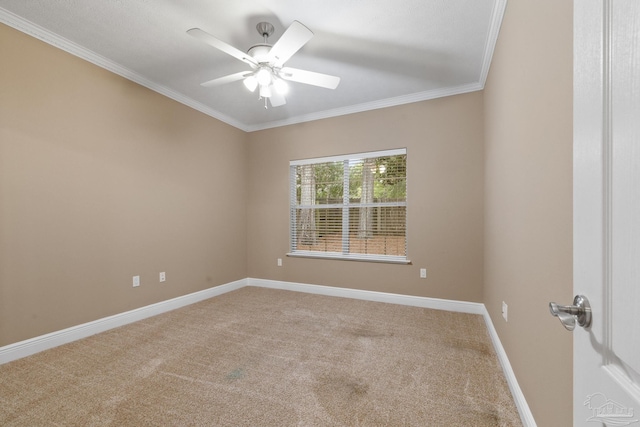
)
(260, 52)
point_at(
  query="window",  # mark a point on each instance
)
(350, 207)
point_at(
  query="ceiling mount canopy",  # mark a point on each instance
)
(265, 29)
(268, 73)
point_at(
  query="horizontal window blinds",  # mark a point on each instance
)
(351, 207)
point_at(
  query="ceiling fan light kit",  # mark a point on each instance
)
(266, 61)
(251, 83)
(264, 76)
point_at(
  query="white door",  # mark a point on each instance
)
(607, 211)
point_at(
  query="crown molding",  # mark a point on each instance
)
(359, 108)
(36, 31)
(492, 39)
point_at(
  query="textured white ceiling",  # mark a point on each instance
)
(386, 52)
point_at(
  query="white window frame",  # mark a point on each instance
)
(345, 205)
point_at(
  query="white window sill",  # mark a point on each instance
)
(350, 257)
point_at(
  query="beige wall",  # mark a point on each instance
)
(528, 199)
(101, 180)
(445, 173)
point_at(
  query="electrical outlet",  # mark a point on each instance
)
(163, 277)
(505, 309)
(136, 281)
(423, 273)
(279, 262)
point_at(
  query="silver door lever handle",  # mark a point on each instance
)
(569, 315)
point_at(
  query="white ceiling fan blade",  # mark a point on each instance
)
(276, 99)
(219, 44)
(296, 36)
(226, 79)
(310, 78)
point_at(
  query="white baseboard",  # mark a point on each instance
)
(521, 403)
(34, 345)
(44, 342)
(424, 302)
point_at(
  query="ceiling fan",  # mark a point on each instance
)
(268, 73)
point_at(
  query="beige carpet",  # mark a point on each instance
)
(263, 357)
